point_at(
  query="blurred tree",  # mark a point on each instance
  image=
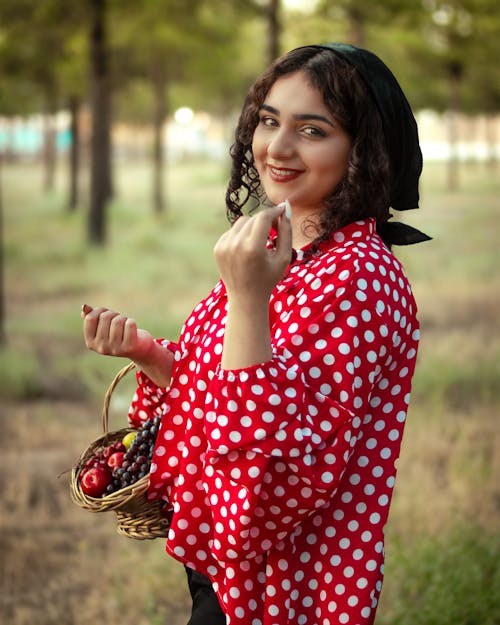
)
(449, 28)
(100, 104)
(74, 147)
(73, 75)
(354, 13)
(15, 98)
(23, 46)
(481, 83)
(38, 67)
(442, 52)
(184, 48)
(236, 55)
(453, 64)
(188, 55)
(3, 334)
(153, 39)
(360, 18)
(218, 82)
(274, 29)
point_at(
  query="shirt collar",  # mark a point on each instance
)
(348, 235)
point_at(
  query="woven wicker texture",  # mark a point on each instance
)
(136, 516)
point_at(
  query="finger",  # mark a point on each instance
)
(263, 221)
(283, 244)
(104, 325)
(91, 322)
(240, 223)
(288, 208)
(116, 330)
(129, 333)
(236, 227)
(232, 236)
(85, 310)
(240, 228)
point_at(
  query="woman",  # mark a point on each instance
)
(283, 402)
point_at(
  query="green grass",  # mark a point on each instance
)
(19, 374)
(442, 537)
(452, 579)
(457, 385)
(153, 268)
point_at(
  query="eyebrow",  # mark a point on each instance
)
(299, 116)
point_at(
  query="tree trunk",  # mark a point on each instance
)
(159, 115)
(3, 335)
(455, 72)
(357, 28)
(74, 154)
(49, 150)
(273, 17)
(100, 179)
(491, 140)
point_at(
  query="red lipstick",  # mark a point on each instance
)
(282, 174)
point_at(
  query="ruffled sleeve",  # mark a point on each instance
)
(148, 400)
(281, 433)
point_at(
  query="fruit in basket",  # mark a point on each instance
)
(95, 481)
(128, 439)
(96, 461)
(120, 464)
(108, 451)
(116, 459)
(137, 458)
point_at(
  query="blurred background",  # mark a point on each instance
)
(115, 121)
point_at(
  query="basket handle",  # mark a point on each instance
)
(107, 398)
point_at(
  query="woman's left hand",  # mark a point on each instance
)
(248, 267)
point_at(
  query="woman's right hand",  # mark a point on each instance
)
(111, 334)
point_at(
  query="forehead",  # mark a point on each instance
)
(294, 92)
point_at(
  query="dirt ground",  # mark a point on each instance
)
(60, 564)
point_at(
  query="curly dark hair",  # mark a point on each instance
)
(364, 190)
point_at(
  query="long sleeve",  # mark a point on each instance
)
(148, 400)
(281, 433)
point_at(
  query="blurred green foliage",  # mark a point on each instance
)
(208, 62)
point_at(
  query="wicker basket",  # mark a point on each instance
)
(136, 516)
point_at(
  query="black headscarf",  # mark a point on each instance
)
(401, 136)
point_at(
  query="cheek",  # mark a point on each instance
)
(258, 152)
(257, 146)
(338, 162)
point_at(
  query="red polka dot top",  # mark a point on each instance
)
(280, 475)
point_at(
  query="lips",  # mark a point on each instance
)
(282, 174)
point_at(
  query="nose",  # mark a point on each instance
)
(281, 144)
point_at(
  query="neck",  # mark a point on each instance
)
(304, 229)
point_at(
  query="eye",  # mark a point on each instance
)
(268, 121)
(313, 131)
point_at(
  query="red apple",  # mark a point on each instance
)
(116, 460)
(94, 481)
(96, 461)
(107, 451)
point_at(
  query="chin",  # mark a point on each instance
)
(276, 197)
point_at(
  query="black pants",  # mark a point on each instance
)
(206, 608)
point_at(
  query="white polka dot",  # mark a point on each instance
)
(235, 436)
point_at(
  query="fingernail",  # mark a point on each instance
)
(288, 208)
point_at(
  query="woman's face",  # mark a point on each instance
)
(300, 150)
